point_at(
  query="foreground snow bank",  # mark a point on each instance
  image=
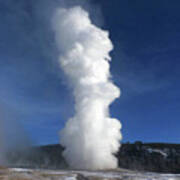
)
(120, 174)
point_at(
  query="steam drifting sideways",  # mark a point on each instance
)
(91, 137)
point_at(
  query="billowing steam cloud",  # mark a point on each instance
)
(91, 136)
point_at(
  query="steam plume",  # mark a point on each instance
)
(91, 136)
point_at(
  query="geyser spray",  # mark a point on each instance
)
(91, 137)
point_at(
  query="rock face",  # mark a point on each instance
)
(153, 157)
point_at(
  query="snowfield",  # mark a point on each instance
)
(119, 174)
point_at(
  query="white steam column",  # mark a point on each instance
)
(91, 137)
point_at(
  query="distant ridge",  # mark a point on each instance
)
(155, 157)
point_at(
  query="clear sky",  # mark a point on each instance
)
(35, 100)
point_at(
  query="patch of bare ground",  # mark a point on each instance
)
(22, 177)
(51, 176)
(2, 167)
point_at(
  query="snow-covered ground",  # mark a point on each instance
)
(29, 174)
(150, 150)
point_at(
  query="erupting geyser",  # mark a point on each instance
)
(91, 137)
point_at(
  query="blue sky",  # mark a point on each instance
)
(145, 65)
